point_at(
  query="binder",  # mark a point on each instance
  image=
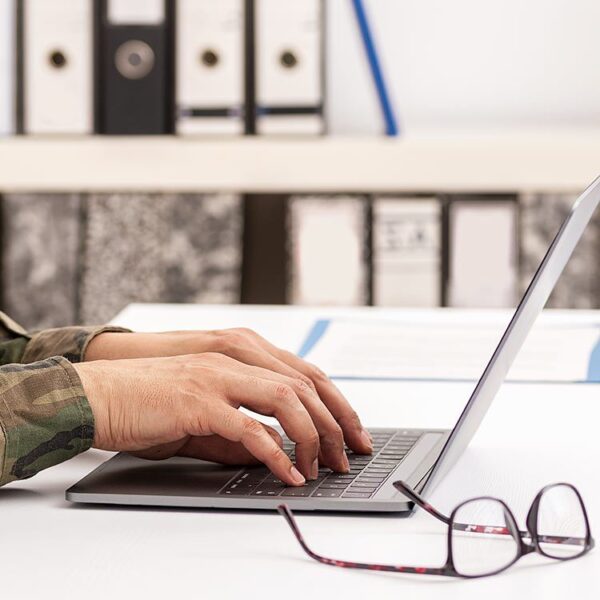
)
(210, 67)
(57, 66)
(7, 67)
(289, 66)
(134, 67)
(40, 254)
(407, 235)
(483, 253)
(541, 216)
(328, 251)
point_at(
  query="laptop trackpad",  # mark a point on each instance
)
(125, 474)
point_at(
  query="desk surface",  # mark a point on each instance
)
(533, 434)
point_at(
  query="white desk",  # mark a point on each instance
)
(533, 434)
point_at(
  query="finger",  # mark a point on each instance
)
(331, 438)
(217, 449)
(356, 436)
(235, 426)
(279, 400)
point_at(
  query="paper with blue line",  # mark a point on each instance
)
(445, 351)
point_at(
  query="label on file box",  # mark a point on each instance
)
(136, 12)
(7, 70)
(57, 66)
(407, 252)
(289, 66)
(210, 66)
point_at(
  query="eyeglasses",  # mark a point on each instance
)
(557, 527)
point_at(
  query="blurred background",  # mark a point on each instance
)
(319, 152)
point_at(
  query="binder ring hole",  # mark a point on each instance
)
(134, 59)
(288, 59)
(57, 59)
(210, 58)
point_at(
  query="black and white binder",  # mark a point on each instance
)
(289, 80)
(210, 67)
(7, 67)
(134, 67)
(56, 66)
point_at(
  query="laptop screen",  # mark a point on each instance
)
(529, 308)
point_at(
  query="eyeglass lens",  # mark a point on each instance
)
(481, 550)
(561, 523)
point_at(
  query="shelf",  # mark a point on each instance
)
(548, 161)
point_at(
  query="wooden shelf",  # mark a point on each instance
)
(562, 161)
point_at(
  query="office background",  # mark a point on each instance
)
(503, 77)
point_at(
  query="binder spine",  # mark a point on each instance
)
(210, 66)
(290, 57)
(134, 68)
(7, 67)
(55, 68)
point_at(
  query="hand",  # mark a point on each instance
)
(188, 406)
(331, 413)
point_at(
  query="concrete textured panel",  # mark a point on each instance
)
(159, 248)
(541, 217)
(40, 257)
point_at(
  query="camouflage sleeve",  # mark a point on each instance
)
(45, 417)
(20, 346)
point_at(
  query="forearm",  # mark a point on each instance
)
(20, 346)
(45, 417)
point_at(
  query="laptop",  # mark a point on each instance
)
(419, 457)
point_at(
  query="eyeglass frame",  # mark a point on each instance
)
(449, 568)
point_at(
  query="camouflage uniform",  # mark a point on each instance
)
(45, 417)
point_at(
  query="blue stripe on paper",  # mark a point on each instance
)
(593, 374)
(313, 337)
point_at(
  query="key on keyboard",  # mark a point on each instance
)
(367, 473)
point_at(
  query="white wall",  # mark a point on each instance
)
(468, 64)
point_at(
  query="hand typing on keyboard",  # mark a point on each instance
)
(365, 476)
(161, 395)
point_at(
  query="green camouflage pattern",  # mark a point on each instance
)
(45, 417)
(69, 342)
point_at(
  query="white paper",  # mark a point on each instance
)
(387, 349)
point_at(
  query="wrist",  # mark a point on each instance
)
(93, 383)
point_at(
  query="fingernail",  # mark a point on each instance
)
(346, 463)
(366, 438)
(297, 476)
(314, 472)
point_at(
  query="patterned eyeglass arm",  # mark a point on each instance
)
(415, 497)
(285, 511)
(403, 487)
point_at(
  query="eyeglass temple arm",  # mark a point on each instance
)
(285, 511)
(414, 496)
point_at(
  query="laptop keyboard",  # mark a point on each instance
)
(367, 473)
